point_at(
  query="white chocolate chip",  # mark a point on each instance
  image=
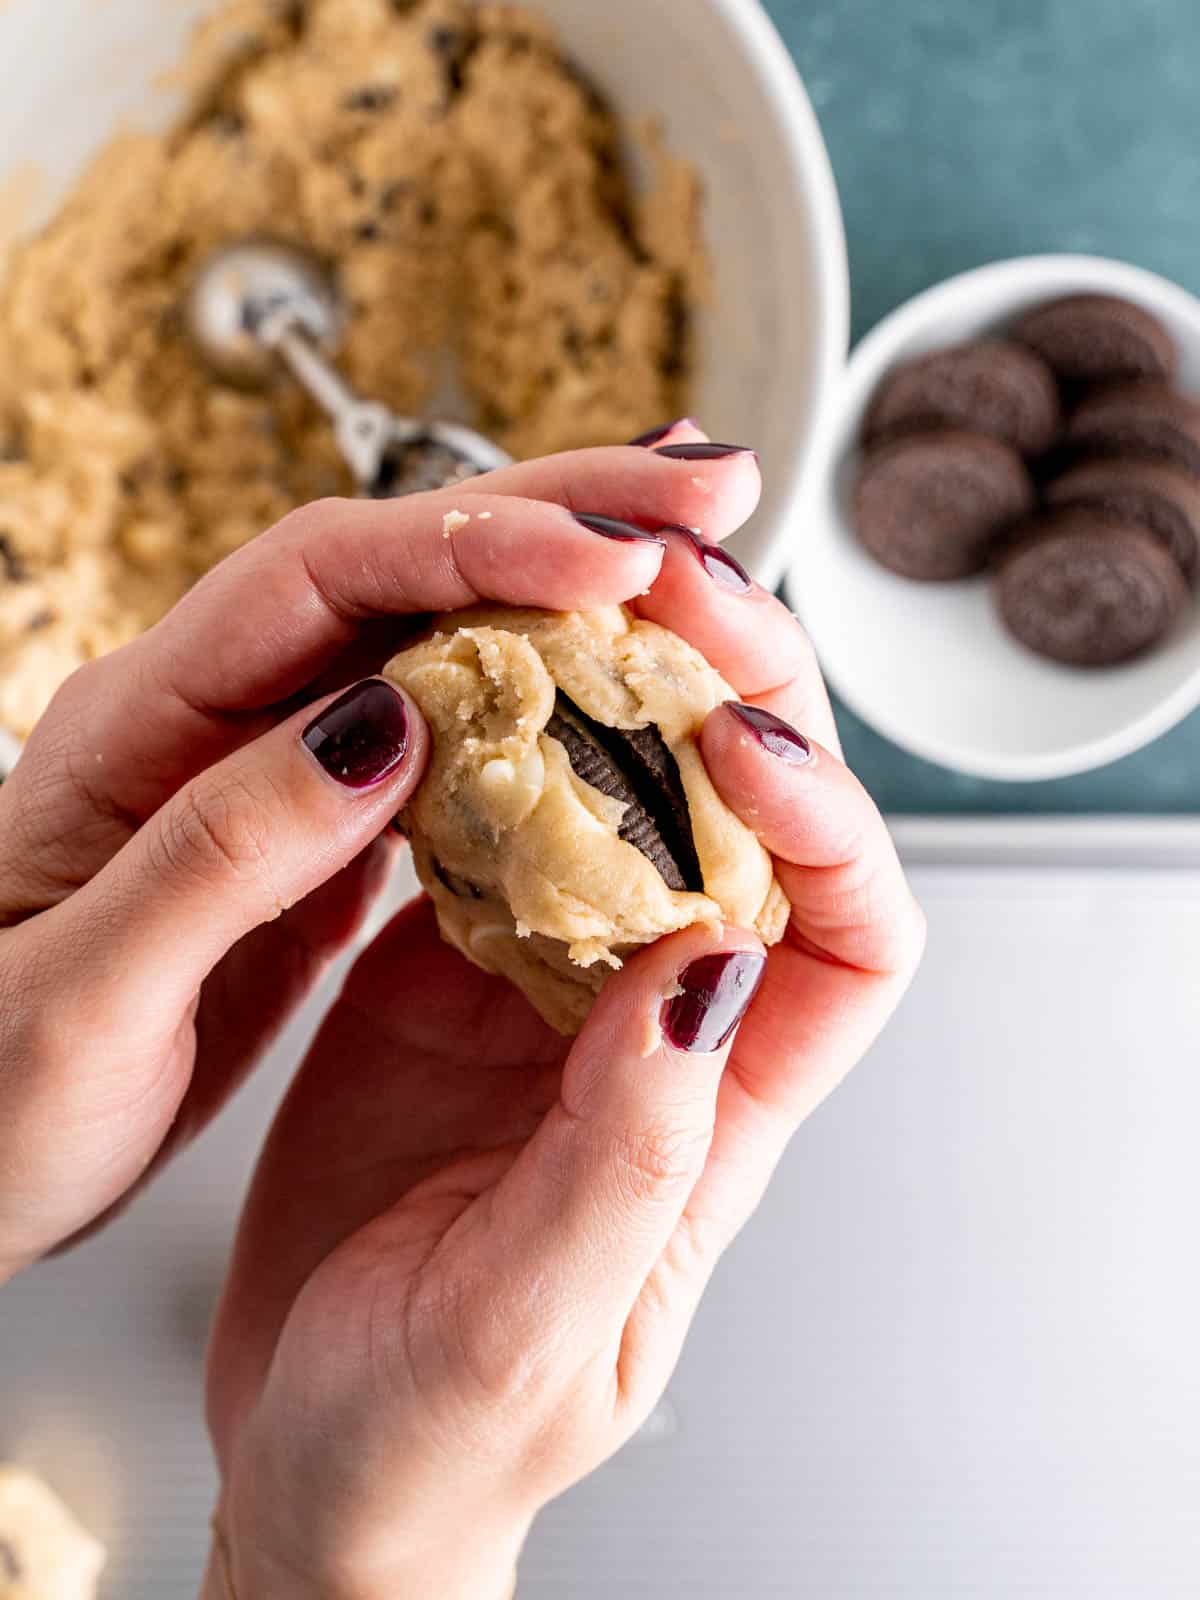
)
(453, 521)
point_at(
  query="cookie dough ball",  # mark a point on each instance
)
(1098, 338)
(1087, 591)
(44, 1553)
(931, 506)
(567, 817)
(987, 386)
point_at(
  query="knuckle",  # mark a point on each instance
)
(659, 1160)
(214, 833)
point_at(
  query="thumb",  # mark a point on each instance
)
(246, 840)
(594, 1198)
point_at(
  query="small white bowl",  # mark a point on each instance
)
(930, 665)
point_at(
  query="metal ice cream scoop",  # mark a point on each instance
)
(256, 307)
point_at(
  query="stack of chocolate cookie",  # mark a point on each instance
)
(1060, 457)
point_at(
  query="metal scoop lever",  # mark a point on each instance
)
(256, 307)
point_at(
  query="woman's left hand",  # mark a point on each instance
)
(471, 1255)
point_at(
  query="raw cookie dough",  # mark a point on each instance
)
(463, 180)
(44, 1553)
(525, 861)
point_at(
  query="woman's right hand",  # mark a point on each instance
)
(471, 1256)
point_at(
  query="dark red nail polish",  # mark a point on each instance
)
(703, 452)
(363, 737)
(722, 568)
(625, 532)
(657, 435)
(714, 995)
(775, 735)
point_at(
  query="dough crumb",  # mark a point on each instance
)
(485, 516)
(702, 484)
(453, 521)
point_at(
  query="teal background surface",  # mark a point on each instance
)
(964, 131)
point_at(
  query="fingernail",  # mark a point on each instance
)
(714, 995)
(704, 452)
(626, 532)
(361, 738)
(775, 735)
(721, 567)
(657, 435)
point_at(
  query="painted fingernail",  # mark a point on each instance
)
(721, 567)
(625, 532)
(713, 996)
(363, 737)
(775, 735)
(704, 452)
(657, 435)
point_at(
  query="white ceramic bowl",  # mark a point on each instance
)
(930, 665)
(714, 72)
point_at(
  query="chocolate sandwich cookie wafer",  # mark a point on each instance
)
(988, 386)
(1087, 591)
(1098, 338)
(932, 505)
(1151, 494)
(635, 767)
(1147, 421)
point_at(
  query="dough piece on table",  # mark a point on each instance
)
(567, 817)
(44, 1553)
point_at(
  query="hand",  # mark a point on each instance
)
(177, 868)
(471, 1255)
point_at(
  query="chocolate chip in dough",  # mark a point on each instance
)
(11, 565)
(10, 1566)
(459, 887)
(635, 768)
(374, 97)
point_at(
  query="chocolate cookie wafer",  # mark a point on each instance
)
(1098, 338)
(931, 505)
(1087, 591)
(1148, 421)
(1150, 494)
(987, 386)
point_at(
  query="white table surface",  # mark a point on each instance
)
(955, 1355)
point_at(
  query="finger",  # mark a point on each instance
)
(856, 933)
(718, 494)
(583, 1215)
(241, 844)
(750, 637)
(126, 732)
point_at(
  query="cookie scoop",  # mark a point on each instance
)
(258, 309)
(567, 817)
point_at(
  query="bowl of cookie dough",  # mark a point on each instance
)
(565, 222)
(1000, 567)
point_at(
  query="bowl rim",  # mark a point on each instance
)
(994, 286)
(811, 177)
(811, 181)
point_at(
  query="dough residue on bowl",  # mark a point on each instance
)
(463, 180)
